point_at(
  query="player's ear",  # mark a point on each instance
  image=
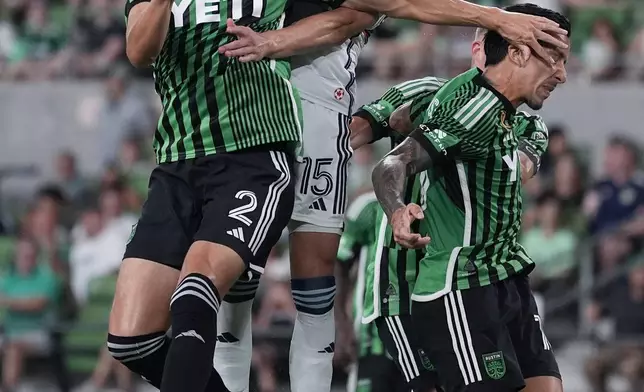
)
(519, 54)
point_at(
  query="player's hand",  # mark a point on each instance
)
(249, 45)
(401, 221)
(526, 30)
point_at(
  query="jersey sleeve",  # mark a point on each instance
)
(533, 141)
(379, 111)
(459, 127)
(129, 4)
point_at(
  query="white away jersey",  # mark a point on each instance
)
(327, 76)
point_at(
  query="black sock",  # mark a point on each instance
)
(145, 355)
(193, 307)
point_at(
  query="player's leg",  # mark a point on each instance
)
(316, 227)
(465, 337)
(248, 199)
(399, 339)
(534, 352)
(234, 349)
(149, 274)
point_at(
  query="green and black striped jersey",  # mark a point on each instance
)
(379, 111)
(356, 245)
(212, 104)
(473, 209)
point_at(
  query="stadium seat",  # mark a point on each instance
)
(86, 337)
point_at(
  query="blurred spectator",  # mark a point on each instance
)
(600, 52)
(73, 185)
(618, 197)
(99, 242)
(29, 294)
(623, 352)
(569, 190)
(135, 168)
(557, 146)
(35, 43)
(636, 55)
(97, 41)
(124, 115)
(551, 246)
(46, 228)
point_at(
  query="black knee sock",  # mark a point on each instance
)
(194, 308)
(145, 355)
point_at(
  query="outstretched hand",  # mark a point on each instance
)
(401, 221)
(527, 30)
(249, 45)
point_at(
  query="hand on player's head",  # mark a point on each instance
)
(401, 221)
(249, 45)
(532, 31)
(532, 78)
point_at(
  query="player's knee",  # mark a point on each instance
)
(314, 296)
(143, 354)
(313, 253)
(218, 262)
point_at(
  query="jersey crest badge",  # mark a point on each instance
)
(338, 94)
(504, 121)
(494, 365)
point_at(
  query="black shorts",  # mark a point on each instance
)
(399, 339)
(378, 373)
(485, 339)
(242, 200)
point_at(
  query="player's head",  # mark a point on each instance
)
(531, 76)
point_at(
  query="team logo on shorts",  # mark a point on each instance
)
(338, 94)
(494, 365)
(132, 232)
(427, 364)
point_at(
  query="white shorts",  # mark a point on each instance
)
(321, 182)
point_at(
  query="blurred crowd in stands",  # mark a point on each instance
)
(54, 39)
(61, 248)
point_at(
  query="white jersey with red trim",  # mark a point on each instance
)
(327, 76)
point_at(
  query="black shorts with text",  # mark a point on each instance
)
(242, 200)
(485, 339)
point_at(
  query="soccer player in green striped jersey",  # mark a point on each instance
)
(222, 191)
(471, 298)
(373, 370)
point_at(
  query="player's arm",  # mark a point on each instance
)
(148, 22)
(519, 29)
(447, 136)
(389, 175)
(377, 120)
(533, 142)
(324, 29)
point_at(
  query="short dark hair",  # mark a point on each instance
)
(496, 47)
(547, 196)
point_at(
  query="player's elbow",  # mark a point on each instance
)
(138, 58)
(347, 23)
